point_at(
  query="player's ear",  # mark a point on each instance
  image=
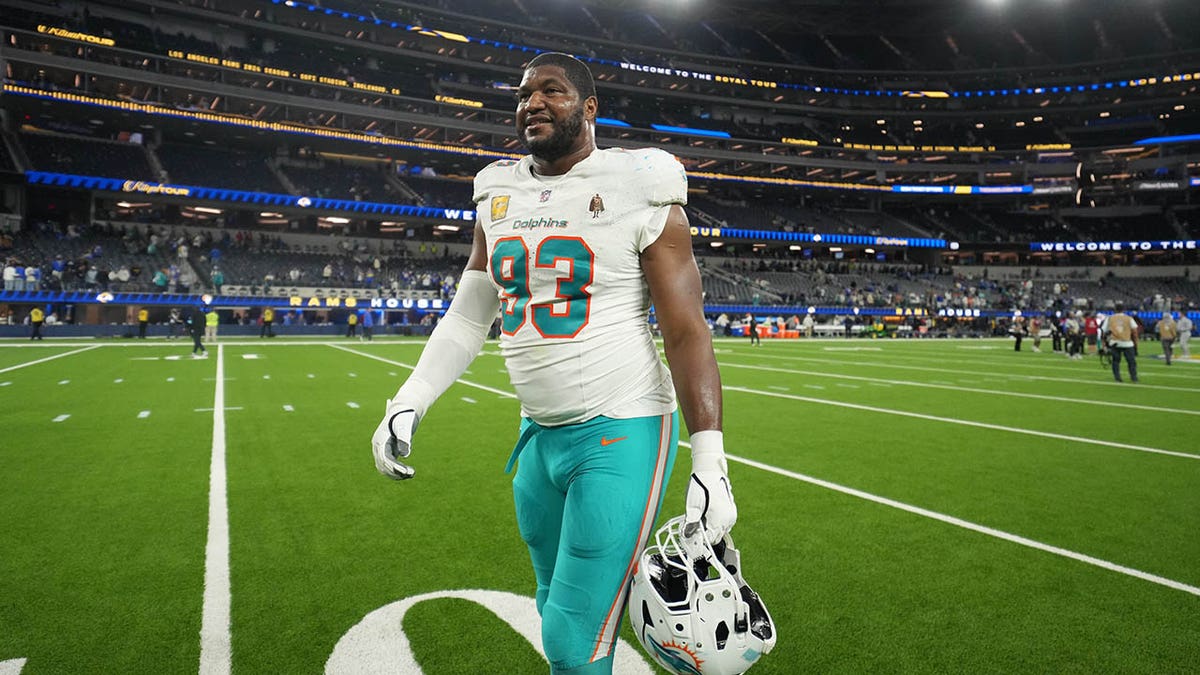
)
(590, 107)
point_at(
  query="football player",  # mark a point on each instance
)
(572, 245)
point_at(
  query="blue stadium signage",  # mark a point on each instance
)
(1117, 246)
(817, 238)
(241, 197)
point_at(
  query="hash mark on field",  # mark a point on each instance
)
(467, 372)
(64, 382)
(469, 400)
(813, 386)
(266, 377)
(351, 404)
(60, 418)
(170, 379)
(847, 386)
(778, 388)
(288, 408)
(879, 384)
(143, 415)
(311, 376)
(119, 380)
(393, 373)
(5, 384)
(352, 374)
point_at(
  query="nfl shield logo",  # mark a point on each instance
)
(545, 196)
(499, 207)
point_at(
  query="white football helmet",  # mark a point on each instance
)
(691, 609)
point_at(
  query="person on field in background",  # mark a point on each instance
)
(1184, 326)
(352, 325)
(211, 322)
(1120, 331)
(1167, 331)
(196, 322)
(37, 317)
(1091, 332)
(572, 245)
(143, 317)
(268, 319)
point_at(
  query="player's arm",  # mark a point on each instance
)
(453, 345)
(677, 293)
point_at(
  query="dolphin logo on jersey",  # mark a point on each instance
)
(499, 207)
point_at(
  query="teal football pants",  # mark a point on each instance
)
(587, 496)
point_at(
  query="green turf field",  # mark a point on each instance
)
(905, 506)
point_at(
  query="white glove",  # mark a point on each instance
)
(709, 504)
(393, 440)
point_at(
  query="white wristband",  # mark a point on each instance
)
(708, 451)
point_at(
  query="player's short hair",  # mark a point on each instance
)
(577, 72)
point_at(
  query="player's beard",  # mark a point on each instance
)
(559, 143)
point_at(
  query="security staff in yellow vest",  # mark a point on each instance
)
(143, 319)
(1121, 333)
(352, 324)
(211, 321)
(36, 318)
(268, 318)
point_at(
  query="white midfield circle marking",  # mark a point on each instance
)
(377, 644)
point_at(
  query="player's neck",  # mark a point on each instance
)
(558, 167)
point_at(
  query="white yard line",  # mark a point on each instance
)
(1049, 362)
(968, 423)
(48, 358)
(974, 390)
(974, 527)
(1104, 377)
(216, 645)
(484, 387)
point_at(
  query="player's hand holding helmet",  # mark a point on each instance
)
(691, 609)
(393, 440)
(709, 505)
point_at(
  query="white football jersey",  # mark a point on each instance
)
(564, 256)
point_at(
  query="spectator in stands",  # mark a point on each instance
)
(1167, 332)
(1184, 326)
(218, 279)
(1120, 331)
(10, 276)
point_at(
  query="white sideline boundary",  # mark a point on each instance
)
(216, 644)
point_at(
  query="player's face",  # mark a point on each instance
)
(550, 114)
